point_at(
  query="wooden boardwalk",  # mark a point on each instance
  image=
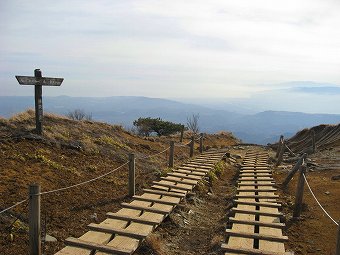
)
(123, 231)
(256, 226)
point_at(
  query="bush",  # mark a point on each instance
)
(79, 114)
(146, 126)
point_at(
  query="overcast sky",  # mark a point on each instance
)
(173, 48)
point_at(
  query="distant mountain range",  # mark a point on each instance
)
(261, 128)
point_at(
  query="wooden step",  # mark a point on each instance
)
(165, 193)
(255, 212)
(255, 190)
(155, 200)
(132, 218)
(256, 184)
(264, 204)
(172, 186)
(256, 196)
(257, 223)
(185, 176)
(194, 169)
(171, 179)
(257, 236)
(189, 172)
(146, 208)
(255, 179)
(71, 241)
(241, 250)
(118, 231)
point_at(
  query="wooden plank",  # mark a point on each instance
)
(173, 186)
(256, 184)
(179, 180)
(189, 172)
(262, 204)
(256, 196)
(99, 247)
(194, 169)
(146, 208)
(255, 179)
(195, 178)
(165, 193)
(257, 236)
(157, 200)
(256, 212)
(132, 218)
(257, 223)
(256, 190)
(118, 231)
(250, 251)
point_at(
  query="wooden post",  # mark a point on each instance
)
(294, 170)
(201, 143)
(34, 220)
(182, 134)
(313, 141)
(282, 150)
(192, 144)
(279, 146)
(132, 184)
(299, 193)
(338, 241)
(171, 154)
(38, 103)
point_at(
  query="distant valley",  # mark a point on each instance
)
(263, 127)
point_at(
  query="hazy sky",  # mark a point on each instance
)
(173, 48)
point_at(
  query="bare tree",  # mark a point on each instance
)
(192, 123)
(79, 114)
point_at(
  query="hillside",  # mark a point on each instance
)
(71, 152)
(261, 128)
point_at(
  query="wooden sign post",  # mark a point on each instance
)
(38, 81)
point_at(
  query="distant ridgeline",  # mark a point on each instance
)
(262, 128)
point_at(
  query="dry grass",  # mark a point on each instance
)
(154, 243)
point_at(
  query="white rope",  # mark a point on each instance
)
(182, 145)
(85, 182)
(318, 201)
(151, 156)
(290, 150)
(16, 204)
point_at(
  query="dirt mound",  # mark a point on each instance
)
(70, 152)
(326, 137)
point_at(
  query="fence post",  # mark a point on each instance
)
(279, 146)
(294, 170)
(313, 141)
(338, 241)
(182, 134)
(282, 150)
(132, 184)
(201, 143)
(171, 154)
(299, 193)
(192, 144)
(34, 220)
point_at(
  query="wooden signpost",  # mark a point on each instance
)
(38, 81)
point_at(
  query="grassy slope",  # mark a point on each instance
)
(71, 152)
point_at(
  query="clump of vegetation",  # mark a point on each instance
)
(79, 114)
(109, 140)
(145, 126)
(216, 172)
(192, 123)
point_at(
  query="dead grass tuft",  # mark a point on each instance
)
(154, 243)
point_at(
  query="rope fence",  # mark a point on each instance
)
(15, 205)
(317, 201)
(154, 155)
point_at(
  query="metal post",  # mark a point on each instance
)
(34, 220)
(171, 154)
(201, 143)
(182, 134)
(313, 141)
(279, 146)
(299, 193)
(192, 144)
(38, 103)
(338, 241)
(132, 184)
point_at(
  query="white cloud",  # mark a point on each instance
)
(170, 48)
